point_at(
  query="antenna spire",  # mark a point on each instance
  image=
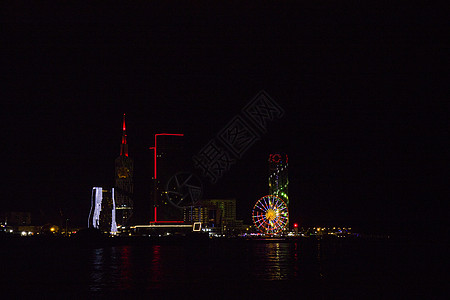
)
(124, 146)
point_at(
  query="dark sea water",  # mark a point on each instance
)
(234, 269)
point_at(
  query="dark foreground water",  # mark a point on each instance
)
(303, 269)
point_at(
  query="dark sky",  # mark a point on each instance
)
(362, 123)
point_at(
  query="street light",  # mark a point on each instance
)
(154, 148)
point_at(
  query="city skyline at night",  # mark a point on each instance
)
(363, 138)
(269, 149)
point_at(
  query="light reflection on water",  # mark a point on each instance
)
(318, 267)
(98, 271)
(107, 268)
(160, 266)
(155, 270)
(273, 261)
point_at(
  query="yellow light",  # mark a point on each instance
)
(271, 214)
(52, 229)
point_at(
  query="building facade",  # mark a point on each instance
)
(278, 176)
(226, 210)
(203, 214)
(169, 160)
(102, 215)
(124, 182)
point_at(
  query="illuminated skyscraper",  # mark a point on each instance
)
(167, 163)
(124, 182)
(103, 213)
(278, 176)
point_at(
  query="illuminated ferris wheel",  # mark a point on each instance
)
(270, 214)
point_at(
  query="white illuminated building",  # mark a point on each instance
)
(103, 210)
(113, 213)
(96, 207)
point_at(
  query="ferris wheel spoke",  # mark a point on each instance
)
(260, 221)
(280, 204)
(265, 206)
(258, 215)
(262, 209)
(258, 218)
(264, 224)
(261, 226)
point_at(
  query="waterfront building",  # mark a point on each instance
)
(103, 210)
(124, 182)
(203, 214)
(168, 162)
(226, 210)
(218, 215)
(278, 176)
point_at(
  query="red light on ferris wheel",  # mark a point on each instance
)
(295, 225)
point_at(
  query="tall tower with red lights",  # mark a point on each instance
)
(278, 176)
(124, 182)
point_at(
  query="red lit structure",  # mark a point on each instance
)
(155, 149)
(124, 146)
(124, 182)
(155, 155)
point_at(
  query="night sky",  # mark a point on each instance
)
(363, 126)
